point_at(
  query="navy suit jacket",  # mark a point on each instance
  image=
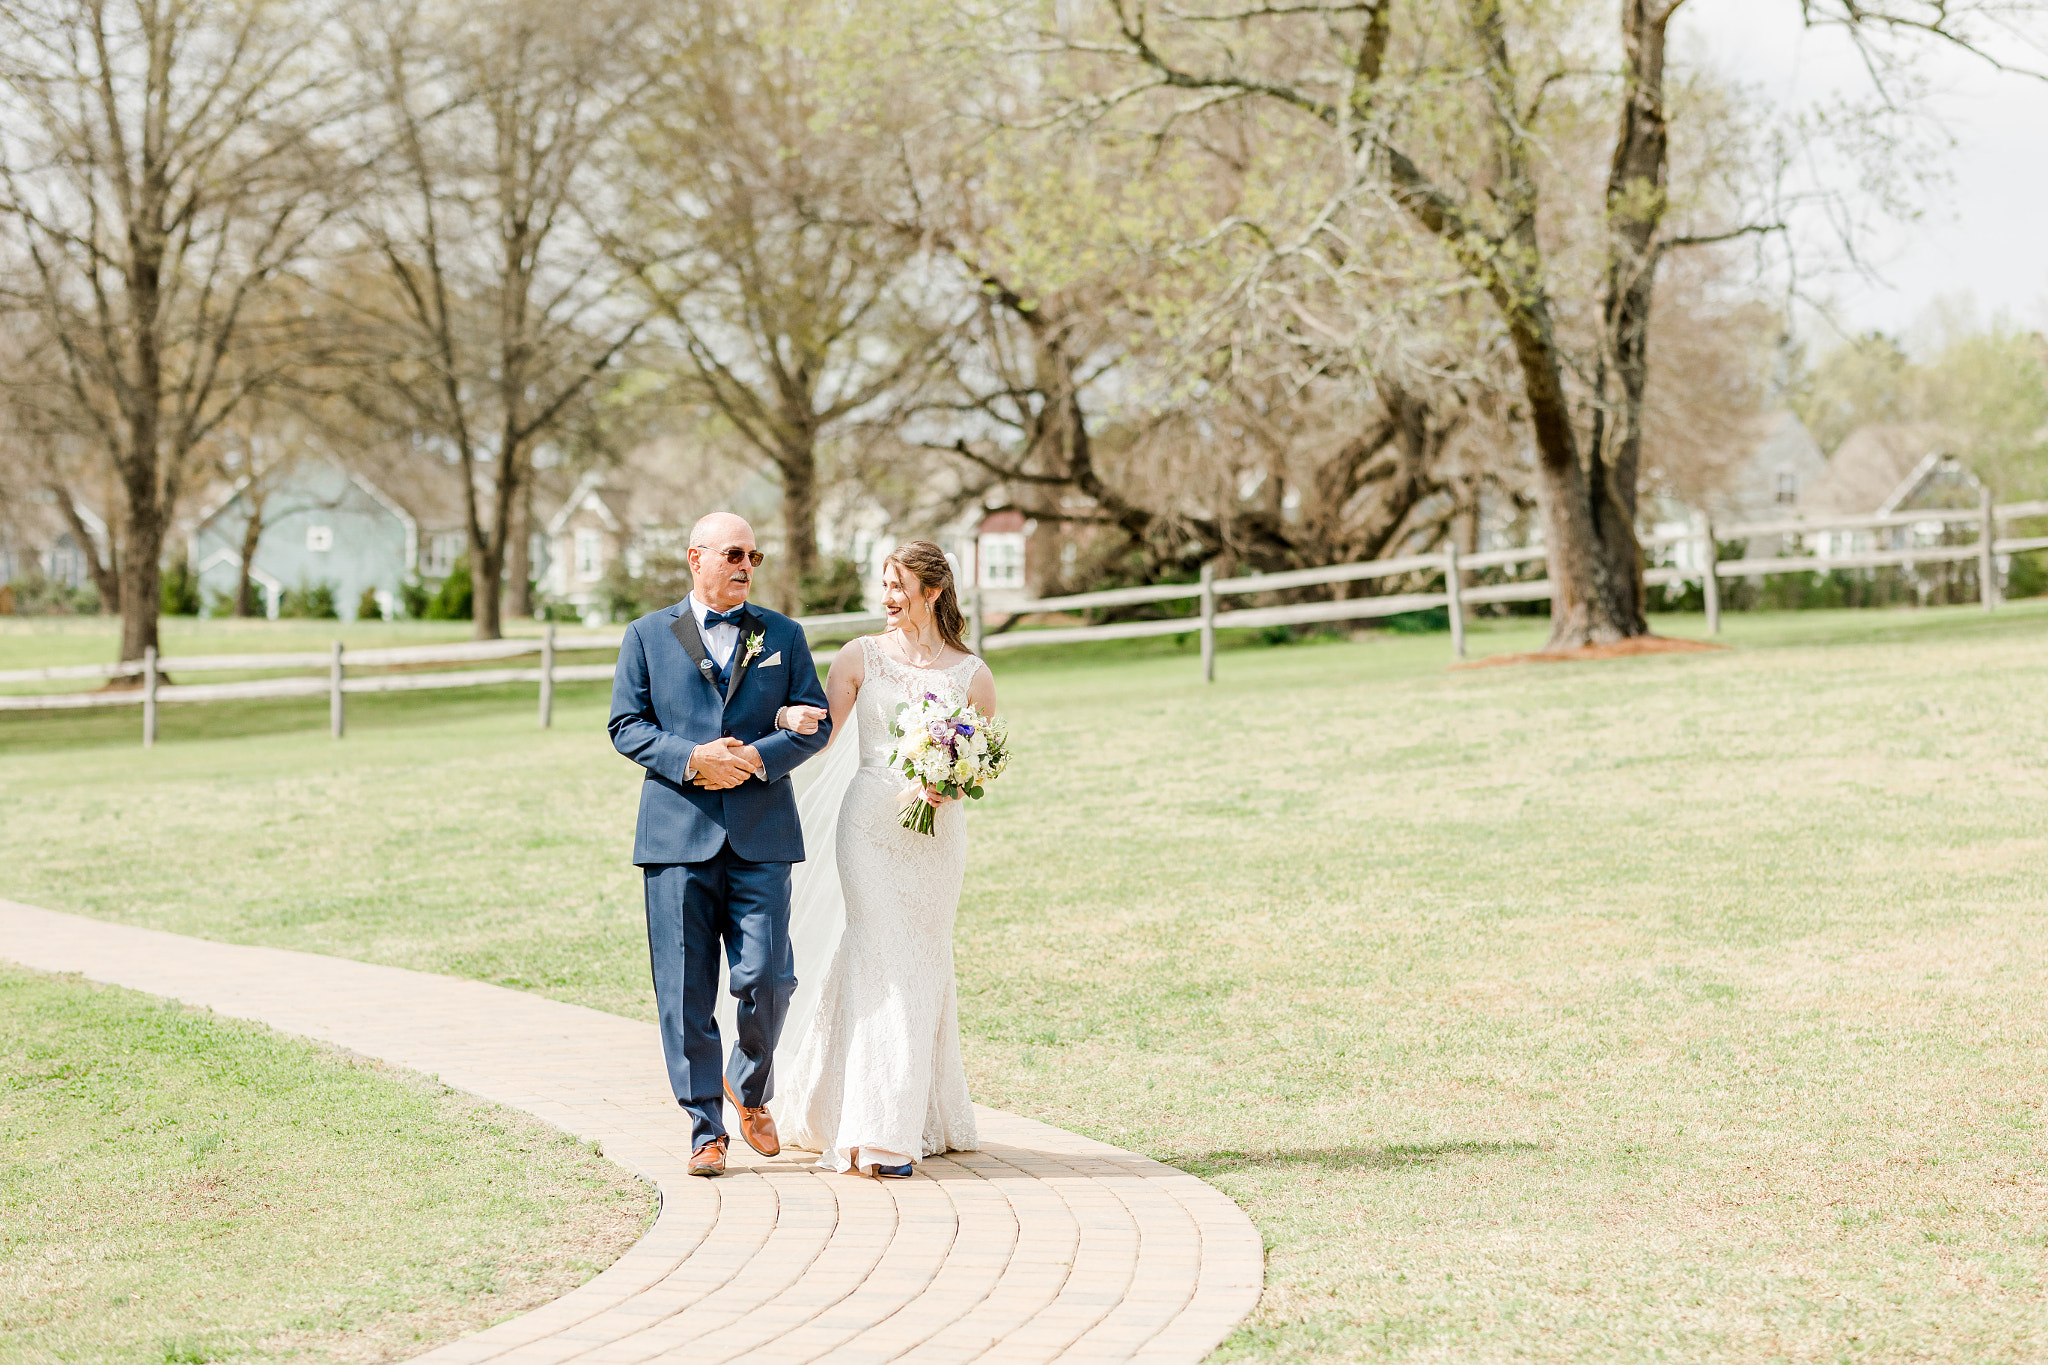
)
(663, 707)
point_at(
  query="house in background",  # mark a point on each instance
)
(428, 488)
(623, 521)
(1886, 468)
(1002, 549)
(1767, 483)
(319, 524)
(38, 542)
(586, 537)
(1890, 468)
(1782, 466)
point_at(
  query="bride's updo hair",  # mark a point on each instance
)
(929, 565)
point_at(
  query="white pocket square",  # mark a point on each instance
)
(772, 659)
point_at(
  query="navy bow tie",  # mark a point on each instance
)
(723, 618)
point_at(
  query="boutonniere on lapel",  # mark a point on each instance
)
(753, 648)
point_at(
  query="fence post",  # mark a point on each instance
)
(1710, 578)
(547, 677)
(334, 712)
(149, 697)
(1987, 562)
(1208, 623)
(974, 615)
(1456, 591)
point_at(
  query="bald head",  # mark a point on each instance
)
(720, 529)
(721, 572)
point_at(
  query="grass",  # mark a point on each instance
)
(178, 1187)
(1682, 1008)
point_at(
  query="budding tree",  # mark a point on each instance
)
(760, 228)
(1451, 113)
(497, 311)
(161, 169)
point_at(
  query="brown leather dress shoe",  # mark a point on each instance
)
(709, 1159)
(757, 1125)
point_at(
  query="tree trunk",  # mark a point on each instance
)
(1595, 565)
(143, 535)
(519, 556)
(1635, 210)
(252, 536)
(487, 550)
(799, 523)
(486, 573)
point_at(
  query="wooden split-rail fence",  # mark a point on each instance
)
(1456, 596)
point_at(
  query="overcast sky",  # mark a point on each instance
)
(1986, 236)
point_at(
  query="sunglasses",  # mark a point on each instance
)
(734, 554)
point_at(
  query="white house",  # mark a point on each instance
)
(1781, 466)
(622, 520)
(1892, 467)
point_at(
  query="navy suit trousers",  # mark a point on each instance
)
(745, 907)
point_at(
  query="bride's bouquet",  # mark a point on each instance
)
(944, 742)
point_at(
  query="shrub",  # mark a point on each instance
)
(222, 604)
(456, 599)
(413, 598)
(1425, 622)
(562, 613)
(368, 608)
(180, 589)
(310, 602)
(2028, 576)
(625, 596)
(35, 595)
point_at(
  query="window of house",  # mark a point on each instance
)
(320, 539)
(439, 554)
(1002, 559)
(64, 564)
(1788, 488)
(589, 554)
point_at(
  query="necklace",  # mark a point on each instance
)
(910, 658)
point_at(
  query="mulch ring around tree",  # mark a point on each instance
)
(1619, 649)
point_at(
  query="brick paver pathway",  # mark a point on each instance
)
(1042, 1246)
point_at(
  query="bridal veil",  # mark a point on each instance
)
(817, 907)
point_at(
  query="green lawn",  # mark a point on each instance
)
(1685, 1008)
(177, 1187)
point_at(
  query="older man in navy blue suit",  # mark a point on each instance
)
(701, 698)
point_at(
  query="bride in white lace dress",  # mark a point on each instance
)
(877, 1083)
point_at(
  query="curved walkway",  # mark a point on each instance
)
(1042, 1246)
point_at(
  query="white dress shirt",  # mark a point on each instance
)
(720, 640)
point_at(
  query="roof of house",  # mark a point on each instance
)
(33, 520)
(1778, 445)
(1875, 468)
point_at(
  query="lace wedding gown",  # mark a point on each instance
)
(878, 1065)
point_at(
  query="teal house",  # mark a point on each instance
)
(316, 524)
